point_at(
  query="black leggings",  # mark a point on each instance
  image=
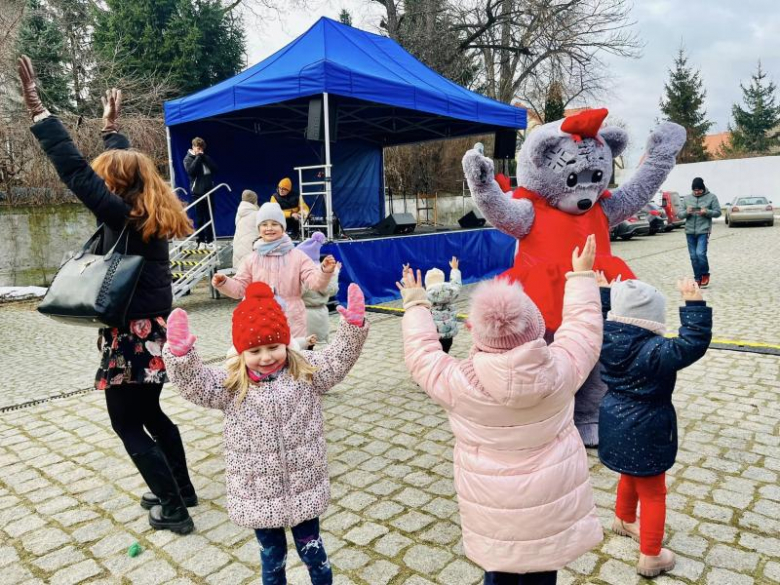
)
(544, 578)
(131, 407)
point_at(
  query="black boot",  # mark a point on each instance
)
(173, 449)
(171, 514)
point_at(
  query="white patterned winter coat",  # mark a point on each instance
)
(442, 296)
(276, 465)
(316, 302)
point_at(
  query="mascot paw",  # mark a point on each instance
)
(477, 168)
(666, 141)
(589, 434)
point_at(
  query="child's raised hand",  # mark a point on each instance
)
(355, 313)
(408, 280)
(584, 261)
(689, 289)
(218, 280)
(454, 263)
(180, 339)
(329, 264)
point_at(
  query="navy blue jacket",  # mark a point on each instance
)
(153, 295)
(637, 420)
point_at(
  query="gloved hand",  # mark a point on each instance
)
(29, 89)
(180, 340)
(112, 106)
(355, 312)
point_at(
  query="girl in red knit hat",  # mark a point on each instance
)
(275, 460)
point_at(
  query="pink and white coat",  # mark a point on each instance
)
(521, 471)
(276, 465)
(285, 275)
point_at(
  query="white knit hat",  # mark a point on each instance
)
(433, 276)
(637, 303)
(273, 212)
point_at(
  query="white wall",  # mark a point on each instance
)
(729, 179)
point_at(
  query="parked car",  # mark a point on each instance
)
(636, 225)
(656, 217)
(672, 204)
(747, 210)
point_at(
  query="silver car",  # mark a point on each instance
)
(747, 210)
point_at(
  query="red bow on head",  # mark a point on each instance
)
(585, 124)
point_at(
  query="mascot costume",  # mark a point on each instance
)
(563, 170)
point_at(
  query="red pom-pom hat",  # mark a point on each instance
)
(259, 320)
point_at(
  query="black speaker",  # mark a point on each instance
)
(315, 130)
(473, 219)
(397, 223)
(506, 143)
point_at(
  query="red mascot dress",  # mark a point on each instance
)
(544, 255)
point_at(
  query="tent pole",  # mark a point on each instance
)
(328, 190)
(170, 159)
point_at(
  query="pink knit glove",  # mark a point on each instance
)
(355, 312)
(180, 340)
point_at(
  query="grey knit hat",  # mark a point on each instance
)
(273, 212)
(637, 303)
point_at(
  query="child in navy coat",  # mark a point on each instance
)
(638, 423)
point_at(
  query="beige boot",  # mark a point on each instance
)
(624, 528)
(652, 566)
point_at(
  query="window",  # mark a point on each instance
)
(752, 201)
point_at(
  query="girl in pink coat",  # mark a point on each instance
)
(276, 262)
(521, 471)
(276, 466)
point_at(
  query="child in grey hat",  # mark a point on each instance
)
(442, 295)
(637, 421)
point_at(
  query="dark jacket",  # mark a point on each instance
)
(153, 295)
(200, 183)
(637, 420)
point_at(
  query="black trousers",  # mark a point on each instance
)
(497, 578)
(446, 343)
(133, 408)
(202, 217)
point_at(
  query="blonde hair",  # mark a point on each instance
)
(155, 209)
(238, 379)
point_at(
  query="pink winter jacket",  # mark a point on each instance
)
(521, 471)
(284, 274)
(276, 466)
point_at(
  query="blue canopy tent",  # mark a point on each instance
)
(370, 93)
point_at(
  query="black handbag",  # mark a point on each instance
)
(94, 290)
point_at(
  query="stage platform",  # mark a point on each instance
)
(375, 262)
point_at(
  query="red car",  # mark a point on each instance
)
(672, 203)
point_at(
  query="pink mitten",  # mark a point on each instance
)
(355, 312)
(180, 340)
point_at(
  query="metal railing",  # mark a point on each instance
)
(209, 224)
(324, 192)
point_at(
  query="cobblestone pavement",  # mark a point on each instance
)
(68, 492)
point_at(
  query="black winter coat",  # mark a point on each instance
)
(637, 420)
(200, 183)
(153, 296)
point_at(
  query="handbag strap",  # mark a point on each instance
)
(121, 234)
(101, 228)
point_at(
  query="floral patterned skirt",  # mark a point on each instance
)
(132, 354)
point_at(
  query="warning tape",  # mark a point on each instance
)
(758, 347)
(185, 262)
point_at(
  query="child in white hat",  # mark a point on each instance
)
(442, 296)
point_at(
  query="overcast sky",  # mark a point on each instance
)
(723, 39)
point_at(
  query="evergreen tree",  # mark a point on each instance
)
(345, 17)
(684, 105)
(40, 39)
(554, 108)
(192, 43)
(755, 128)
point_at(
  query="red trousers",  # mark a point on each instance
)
(650, 493)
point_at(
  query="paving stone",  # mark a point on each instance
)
(58, 559)
(426, 559)
(772, 571)
(208, 560)
(76, 573)
(412, 521)
(364, 534)
(688, 544)
(725, 577)
(232, 573)
(618, 573)
(151, 573)
(379, 572)
(7, 555)
(731, 558)
(460, 572)
(688, 568)
(44, 540)
(712, 512)
(391, 544)
(384, 509)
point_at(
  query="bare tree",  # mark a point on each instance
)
(520, 42)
